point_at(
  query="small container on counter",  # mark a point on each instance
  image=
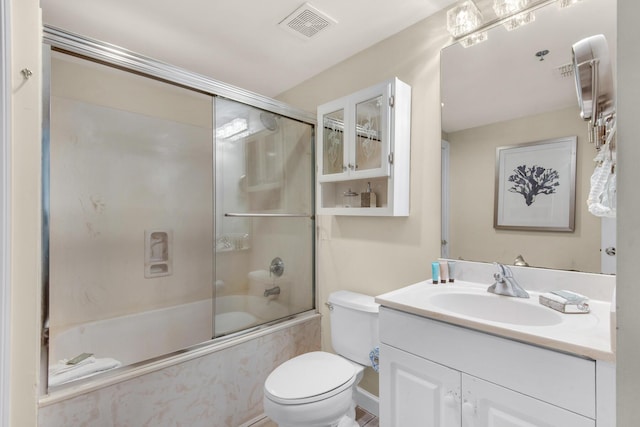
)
(452, 271)
(435, 272)
(444, 271)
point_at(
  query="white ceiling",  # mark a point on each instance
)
(238, 42)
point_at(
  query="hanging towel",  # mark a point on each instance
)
(602, 196)
(62, 372)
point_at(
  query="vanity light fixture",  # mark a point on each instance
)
(568, 3)
(463, 19)
(474, 38)
(505, 8)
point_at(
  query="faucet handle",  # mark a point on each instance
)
(503, 271)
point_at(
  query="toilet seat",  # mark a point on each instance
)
(308, 378)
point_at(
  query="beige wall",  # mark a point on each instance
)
(472, 188)
(376, 255)
(25, 212)
(396, 251)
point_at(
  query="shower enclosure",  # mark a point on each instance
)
(177, 210)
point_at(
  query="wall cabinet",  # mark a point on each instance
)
(364, 139)
(437, 374)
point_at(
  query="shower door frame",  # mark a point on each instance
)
(115, 56)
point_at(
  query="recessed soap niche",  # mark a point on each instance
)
(158, 252)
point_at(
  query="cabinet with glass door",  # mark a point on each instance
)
(363, 147)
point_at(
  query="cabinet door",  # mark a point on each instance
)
(369, 156)
(333, 155)
(485, 404)
(415, 392)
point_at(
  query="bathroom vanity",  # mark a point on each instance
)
(455, 355)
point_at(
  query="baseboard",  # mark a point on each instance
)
(255, 422)
(367, 401)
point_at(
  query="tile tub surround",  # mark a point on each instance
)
(223, 388)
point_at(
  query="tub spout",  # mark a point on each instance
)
(272, 291)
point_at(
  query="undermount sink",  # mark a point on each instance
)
(496, 308)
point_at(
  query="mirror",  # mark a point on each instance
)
(514, 88)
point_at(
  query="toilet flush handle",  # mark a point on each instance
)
(329, 305)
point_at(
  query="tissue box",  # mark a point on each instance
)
(565, 301)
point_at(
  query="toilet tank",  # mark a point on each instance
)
(354, 325)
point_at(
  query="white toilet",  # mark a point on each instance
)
(316, 389)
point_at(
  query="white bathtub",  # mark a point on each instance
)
(136, 337)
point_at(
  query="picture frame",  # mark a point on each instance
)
(535, 186)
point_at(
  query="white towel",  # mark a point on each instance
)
(61, 372)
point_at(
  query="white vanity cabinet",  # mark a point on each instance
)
(364, 139)
(437, 374)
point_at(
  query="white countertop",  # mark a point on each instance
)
(587, 335)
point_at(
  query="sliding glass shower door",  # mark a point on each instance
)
(264, 216)
(171, 216)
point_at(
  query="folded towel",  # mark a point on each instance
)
(62, 372)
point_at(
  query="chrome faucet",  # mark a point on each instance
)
(272, 291)
(506, 284)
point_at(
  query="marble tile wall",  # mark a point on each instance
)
(223, 388)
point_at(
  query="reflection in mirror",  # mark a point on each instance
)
(502, 92)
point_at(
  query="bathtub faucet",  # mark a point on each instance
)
(272, 291)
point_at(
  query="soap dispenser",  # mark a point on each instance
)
(368, 198)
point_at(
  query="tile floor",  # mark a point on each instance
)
(363, 417)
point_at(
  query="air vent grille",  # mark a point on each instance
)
(566, 70)
(307, 21)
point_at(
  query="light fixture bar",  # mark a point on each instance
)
(533, 5)
(463, 19)
(568, 3)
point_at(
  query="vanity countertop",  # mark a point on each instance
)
(587, 335)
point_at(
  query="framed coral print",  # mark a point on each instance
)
(535, 186)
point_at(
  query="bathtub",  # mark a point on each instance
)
(142, 336)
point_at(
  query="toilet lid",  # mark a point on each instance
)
(307, 375)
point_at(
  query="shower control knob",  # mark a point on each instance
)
(277, 267)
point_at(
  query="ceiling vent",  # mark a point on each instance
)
(566, 70)
(307, 22)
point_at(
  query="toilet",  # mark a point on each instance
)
(316, 389)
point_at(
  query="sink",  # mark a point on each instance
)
(497, 308)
